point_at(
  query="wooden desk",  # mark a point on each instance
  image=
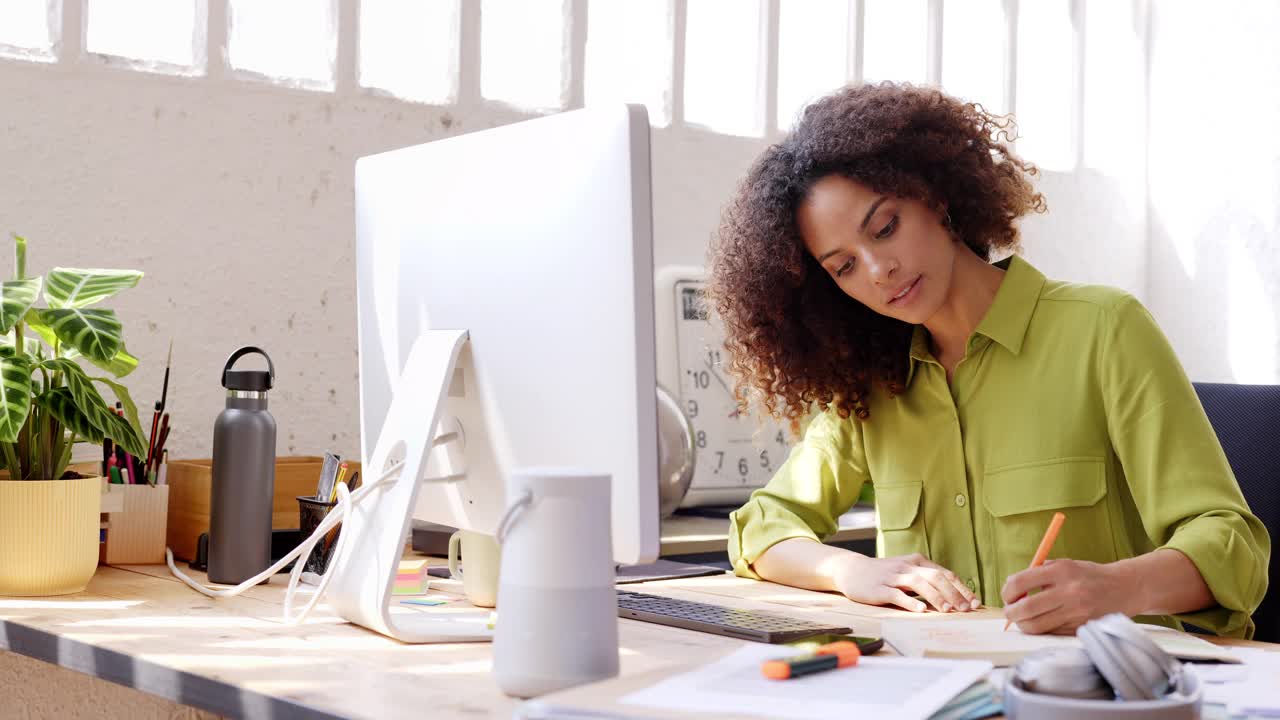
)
(139, 627)
(687, 535)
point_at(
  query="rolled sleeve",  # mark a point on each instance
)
(1232, 559)
(817, 484)
(1181, 482)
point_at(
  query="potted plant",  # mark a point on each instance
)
(49, 517)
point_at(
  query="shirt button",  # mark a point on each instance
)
(960, 500)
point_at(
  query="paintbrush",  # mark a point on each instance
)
(155, 428)
(164, 390)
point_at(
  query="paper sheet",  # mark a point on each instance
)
(889, 688)
(1250, 689)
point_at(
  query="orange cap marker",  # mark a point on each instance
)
(1042, 552)
(827, 657)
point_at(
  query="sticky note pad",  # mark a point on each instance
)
(412, 567)
(423, 601)
(412, 571)
(413, 586)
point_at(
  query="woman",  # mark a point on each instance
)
(852, 273)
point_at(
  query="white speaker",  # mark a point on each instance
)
(557, 609)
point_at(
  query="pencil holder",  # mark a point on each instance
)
(134, 520)
(311, 512)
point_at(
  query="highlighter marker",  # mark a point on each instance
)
(827, 657)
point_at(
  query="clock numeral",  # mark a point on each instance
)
(701, 378)
(713, 357)
(743, 469)
(780, 438)
(764, 460)
(719, 461)
(702, 438)
(693, 409)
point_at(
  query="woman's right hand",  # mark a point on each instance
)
(886, 581)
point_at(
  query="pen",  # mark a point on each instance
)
(121, 464)
(342, 473)
(161, 440)
(1042, 552)
(827, 657)
(107, 454)
(163, 472)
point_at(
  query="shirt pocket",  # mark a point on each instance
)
(899, 519)
(1022, 499)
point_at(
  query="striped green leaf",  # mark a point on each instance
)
(61, 403)
(72, 288)
(15, 394)
(126, 402)
(120, 365)
(32, 347)
(96, 334)
(16, 298)
(125, 434)
(39, 327)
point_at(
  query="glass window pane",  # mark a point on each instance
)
(629, 55)
(1044, 100)
(813, 53)
(24, 24)
(722, 78)
(115, 27)
(973, 51)
(410, 48)
(521, 50)
(1114, 101)
(895, 36)
(286, 39)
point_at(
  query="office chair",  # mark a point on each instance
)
(1247, 421)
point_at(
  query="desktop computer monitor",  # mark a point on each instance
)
(536, 238)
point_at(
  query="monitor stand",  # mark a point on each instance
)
(372, 540)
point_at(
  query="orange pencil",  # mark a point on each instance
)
(1042, 552)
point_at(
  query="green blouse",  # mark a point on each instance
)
(1068, 398)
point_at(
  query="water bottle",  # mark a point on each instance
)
(244, 475)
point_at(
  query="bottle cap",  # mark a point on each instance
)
(254, 380)
(259, 380)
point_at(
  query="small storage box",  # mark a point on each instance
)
(190, 482)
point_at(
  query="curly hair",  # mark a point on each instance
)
(795, 339)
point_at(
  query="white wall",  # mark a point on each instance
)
(236, 199)
(1214, 148)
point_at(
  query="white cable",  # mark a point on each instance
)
(346, 500)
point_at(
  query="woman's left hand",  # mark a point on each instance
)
(1072, 592)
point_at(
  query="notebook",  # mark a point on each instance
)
(961, 638)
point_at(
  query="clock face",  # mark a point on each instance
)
(733, 450)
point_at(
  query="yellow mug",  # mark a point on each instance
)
(480, 575)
